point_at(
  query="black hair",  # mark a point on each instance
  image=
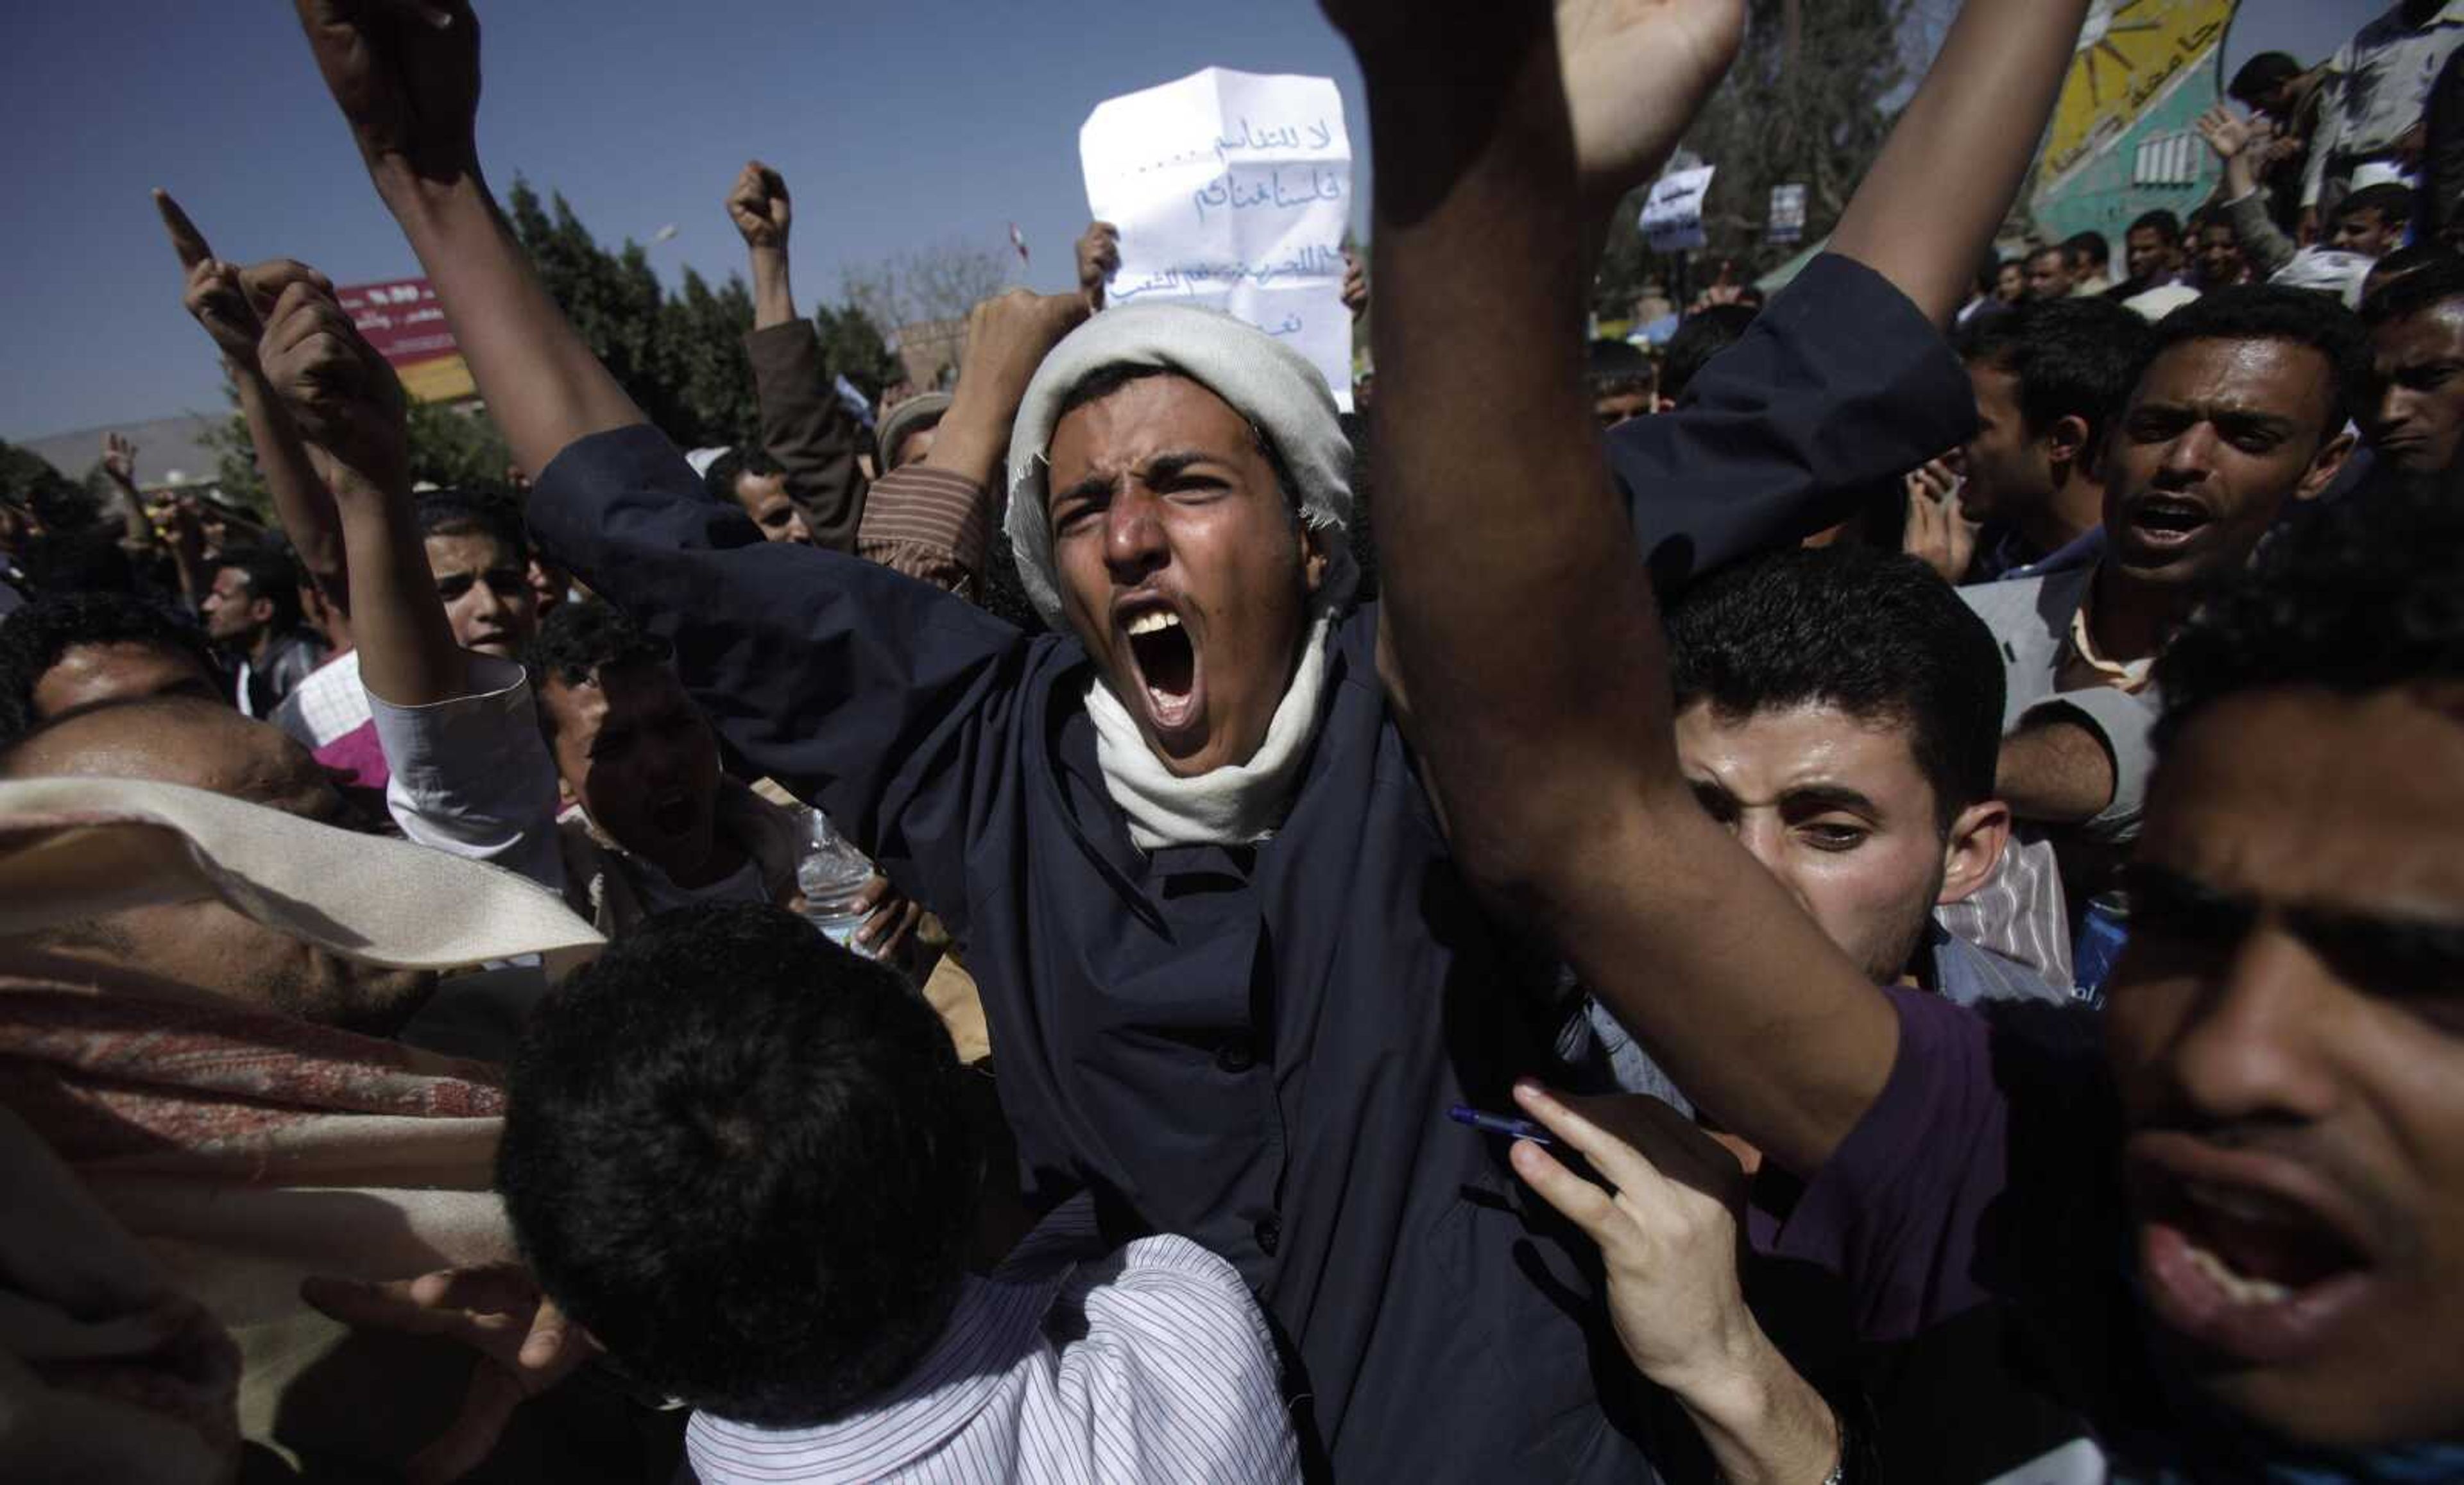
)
(739, 1156)
(2261, 75)
(2163, 223)
(270, 574)
(2043, 248)
(1616, 368)
(2393, 203)
(2413, 279)
(2267, 312)
(724, 470)
(2073, 358)
(473, 513)
(578, 640)
(1876, 634)
(1700, 337)
(78, 560)
(35, 638)
(2089, 248)
(2361, 597)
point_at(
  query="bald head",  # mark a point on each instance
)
(178, 739)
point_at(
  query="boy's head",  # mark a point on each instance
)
(2371, 221)
(753, 479)
(737, 1154)
(1841, 710)
(626, 738)
(480, 557)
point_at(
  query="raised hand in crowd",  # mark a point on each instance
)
(118, 465)
(1668, 1233)
(407, 78)
(1356, 283)
(1938, 531)
(497, 1310)
(2238, 142)
(1007, 338)
(1099, 258)
(120, 461)
(349, 410)
(229, 302)
(758, 205)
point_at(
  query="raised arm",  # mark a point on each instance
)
(2236, 141)
(805, 426)
(1522, 626)
(1934, 198)
(228, 301)
(348, 407)
(406, 74)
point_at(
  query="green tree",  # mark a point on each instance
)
(853, 347)
(1809, 103)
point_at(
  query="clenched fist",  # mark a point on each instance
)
(346, 401)
(406, 76)
(758, 206)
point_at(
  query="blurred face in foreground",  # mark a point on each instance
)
(1836, 807)
(2287, 1033)
(1182, 565)
(208, 945)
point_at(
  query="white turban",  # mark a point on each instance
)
(1266, 381)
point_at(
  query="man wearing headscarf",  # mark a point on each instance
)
(1234, 978)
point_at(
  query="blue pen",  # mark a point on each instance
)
(1500, 1124)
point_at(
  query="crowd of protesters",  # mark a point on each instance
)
(1873, 896)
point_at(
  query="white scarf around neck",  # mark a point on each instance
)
(1235, 805)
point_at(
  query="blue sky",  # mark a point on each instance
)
(895, 125)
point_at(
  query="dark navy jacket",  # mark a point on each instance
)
(1253, 1048)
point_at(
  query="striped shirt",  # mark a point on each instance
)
(931, 525)
(1150, 1363)
(2020, 912)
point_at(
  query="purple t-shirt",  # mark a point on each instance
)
(1983, 1173)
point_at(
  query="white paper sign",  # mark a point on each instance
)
(1672, 216)
(1232, 190)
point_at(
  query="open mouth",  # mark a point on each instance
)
(2243, 1271)
(1165, 661)
(2163, 520)
(672, 814)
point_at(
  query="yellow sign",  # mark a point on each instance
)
(2132, 53)
(438, 379)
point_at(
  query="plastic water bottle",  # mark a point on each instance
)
(830, 874)
(2104, 930)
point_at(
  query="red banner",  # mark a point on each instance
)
(406, 326)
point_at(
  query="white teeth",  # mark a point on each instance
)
(1155, 621)
(2238, 1288)
(2244, 1204)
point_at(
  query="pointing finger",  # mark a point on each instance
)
(186, 241)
